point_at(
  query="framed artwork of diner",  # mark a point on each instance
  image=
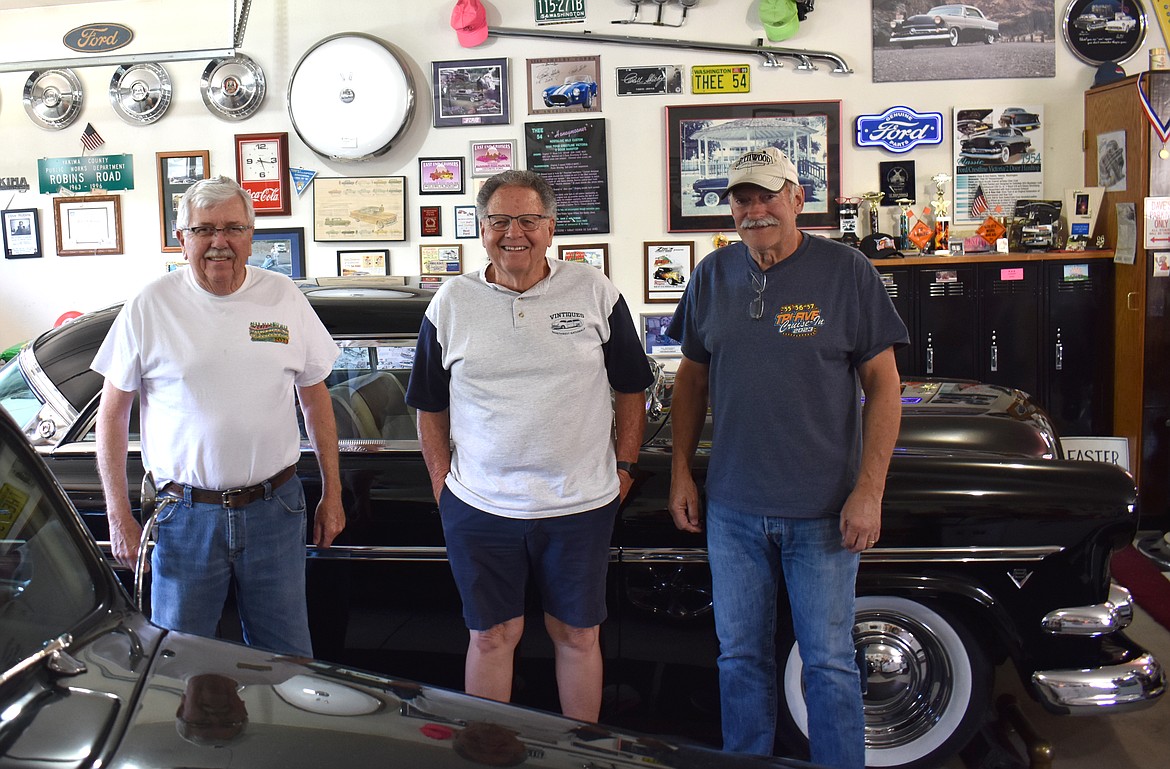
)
(176, 172)
(702, 141)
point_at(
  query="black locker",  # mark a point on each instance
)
(1009, 327)
(900, 287)
(1077, 346)
(948, 305)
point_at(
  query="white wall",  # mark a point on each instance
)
(34, 292)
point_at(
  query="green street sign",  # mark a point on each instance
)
(86, 173)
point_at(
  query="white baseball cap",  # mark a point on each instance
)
(768, 168)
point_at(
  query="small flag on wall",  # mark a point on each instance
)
(90, 138)
(979, 205)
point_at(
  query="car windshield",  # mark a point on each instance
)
(45, 588)
(17, 396)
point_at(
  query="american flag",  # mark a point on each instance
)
(979, 205)
(90, 138)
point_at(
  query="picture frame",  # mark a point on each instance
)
(279, 249)
(491, 157)
(177, 171)
(88, 224)
(359, 208)
(470, 92)
(360, 263)
(667, 269)
(559, 84)
(22, 233)
(444, 259)
(703, 140)
(466, 223)
(430, 221)
(593, 254)
(655, 342)
(440, 176)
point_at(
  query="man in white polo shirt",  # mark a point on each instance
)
(512, 381)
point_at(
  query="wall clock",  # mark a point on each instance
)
(262, 169)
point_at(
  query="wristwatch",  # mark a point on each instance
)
(631, 468)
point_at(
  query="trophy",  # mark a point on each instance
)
(847, 220)
(874, 199)
(904, 223)
(942, 221)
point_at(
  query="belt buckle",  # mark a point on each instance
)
(226, 496)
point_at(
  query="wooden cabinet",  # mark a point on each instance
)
(1116, 129)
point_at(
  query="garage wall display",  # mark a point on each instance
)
(88, 225)
(279, 250)
(360, 263)
(564, 84)
(140, 93)
(571, 156)
(703, 141)
(22, 233)
(1098, 31)
(440, 176)
(593, 254)
(470, 92)
(359, 208)
(668, 269)
(441, 260)
(176, 172)
(998, 152)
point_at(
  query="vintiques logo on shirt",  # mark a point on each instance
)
(268, 332)
(799, 319)
(567, 322)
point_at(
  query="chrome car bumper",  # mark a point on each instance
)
(1126, 686)
(914, 37)
(1109, 617)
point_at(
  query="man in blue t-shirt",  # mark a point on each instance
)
(784, 333)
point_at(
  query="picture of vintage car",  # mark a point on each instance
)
(945, 24)
(1121, 22)
(571, 93)
(1018, 117)
(710, 191)
(670, 274)
(375, 215)
(995, 549)
(1087, 22)
(995, 146)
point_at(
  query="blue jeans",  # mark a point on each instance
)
(201, 546)
(748, 554)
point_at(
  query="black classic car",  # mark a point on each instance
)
(945, 24)
(994, 547)
(710, 190)
(86, 680)
(994, 146)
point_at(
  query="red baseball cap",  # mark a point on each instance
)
(469, 20)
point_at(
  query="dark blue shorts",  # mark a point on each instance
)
(492, 557)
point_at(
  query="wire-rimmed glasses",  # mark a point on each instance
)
(759, 283)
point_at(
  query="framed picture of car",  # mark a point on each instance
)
(1099, 32)
(359, 208)
(668, 266)
(280, 249)
(440, 176)
(564, 84)
(176, 172)
(593, 254)
(702, 141)
(470, 92)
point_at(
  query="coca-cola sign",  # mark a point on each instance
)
(899, 129)
(266, 196)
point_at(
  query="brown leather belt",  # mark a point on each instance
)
(232, 498)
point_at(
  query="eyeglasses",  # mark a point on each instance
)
(756, 308)
(231, 231)
(527, 222)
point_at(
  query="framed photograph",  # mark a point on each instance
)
(470, 92)
(564, 84)
(593, 254)
(280, 249)
(655, 340)
(703, 141)
(22, 233)
(359, 208)
(490, 158)
(441, 260)
(668, 269)
(88, 224)
(176, 172)
(360, 263)
(466, 223)
(440, 176)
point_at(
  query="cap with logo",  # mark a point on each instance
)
(879, 245)
(469, 20)
(768, 168)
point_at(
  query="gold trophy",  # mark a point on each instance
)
(942, 219)
(874, 199)
(904, 204)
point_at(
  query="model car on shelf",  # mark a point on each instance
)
(571, 93)
(1018, 117)
(994, 547)
(995, 146)
(945, 24)
(86, 681)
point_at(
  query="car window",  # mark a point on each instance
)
(368, 390)
(43, 590)
(17, 396)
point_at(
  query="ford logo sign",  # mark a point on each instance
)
(899, 129)
(98, 38)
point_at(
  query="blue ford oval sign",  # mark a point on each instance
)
(98, 38)
(899, 129)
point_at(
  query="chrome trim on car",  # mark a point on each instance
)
(877, 555)
(1129, 685)
(1109, 617)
